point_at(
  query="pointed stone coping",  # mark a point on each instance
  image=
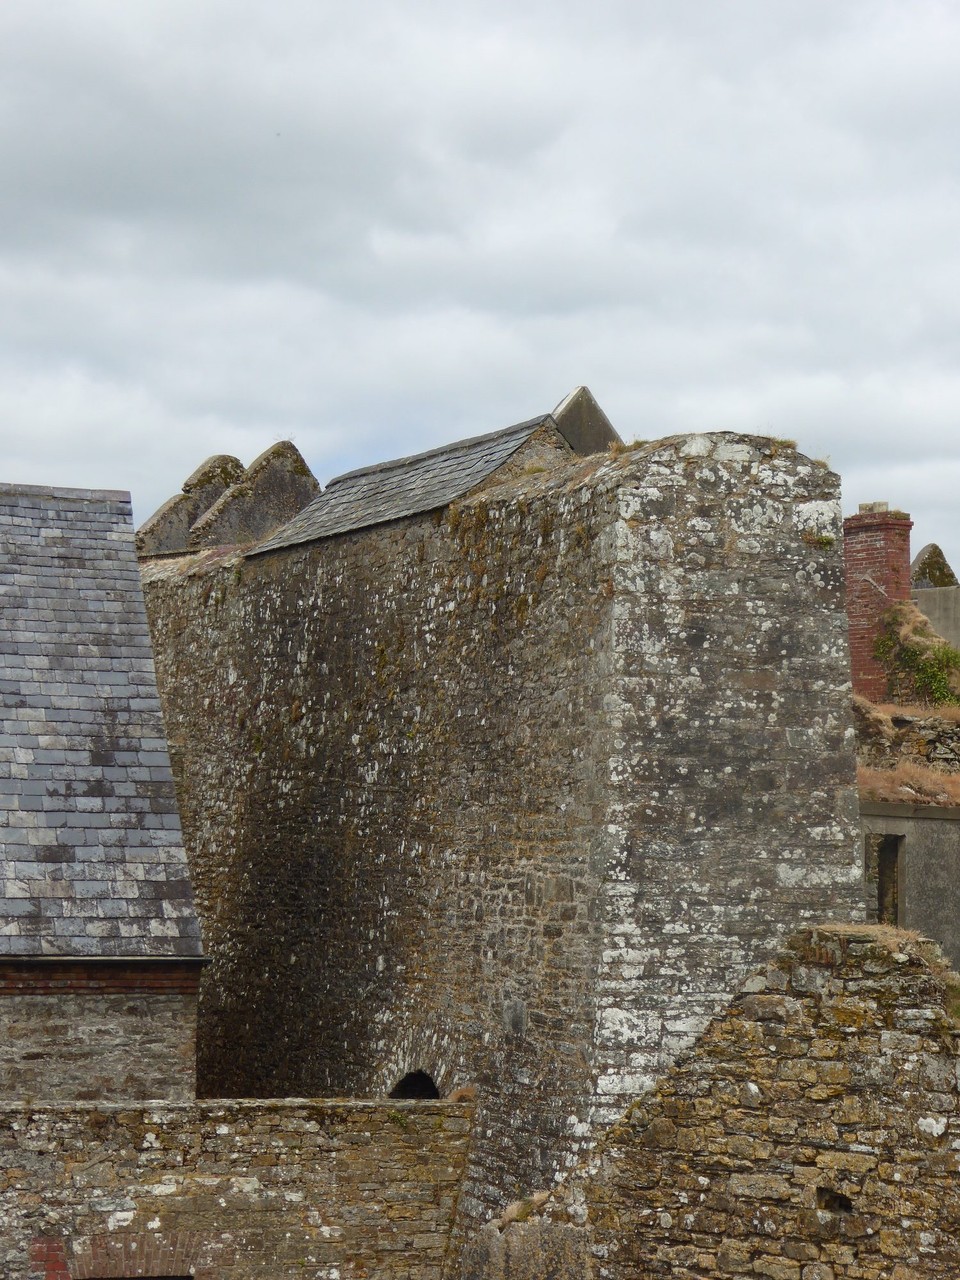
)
(931, 569)
(583, 424)
(91, 853)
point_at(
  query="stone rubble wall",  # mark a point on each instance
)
(515, 792)
(230, 1191)
(884, 741)
(812, 1134)
(87, 1045)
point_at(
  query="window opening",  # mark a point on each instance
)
(416, 1084)
(881, 870)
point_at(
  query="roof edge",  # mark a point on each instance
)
(61, 491)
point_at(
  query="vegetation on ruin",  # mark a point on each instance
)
(908, 783)
(920, 666)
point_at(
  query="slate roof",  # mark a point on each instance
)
(91, 852)
(405, 487)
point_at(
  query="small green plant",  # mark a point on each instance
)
(822, 540)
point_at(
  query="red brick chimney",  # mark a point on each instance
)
(876, 545)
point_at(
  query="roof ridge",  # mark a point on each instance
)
(393, 463)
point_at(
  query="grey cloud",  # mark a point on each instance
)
(375, 227)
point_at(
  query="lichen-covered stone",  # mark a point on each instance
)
(167, 530)
(273, 489)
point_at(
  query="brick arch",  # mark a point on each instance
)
(122, 1255)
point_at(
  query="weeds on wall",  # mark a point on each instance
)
(920, 666)
(908, 783)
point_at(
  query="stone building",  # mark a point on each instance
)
(100, 943)
(503, 766)
(911, 843)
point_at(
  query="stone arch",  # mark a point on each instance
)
(150, 1255)
(415, 1084)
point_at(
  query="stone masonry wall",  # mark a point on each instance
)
(79, 1031)
(514, 792)
(812, 1134)
(732, 816)
(230, 1191)
(385, 750)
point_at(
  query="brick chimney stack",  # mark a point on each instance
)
(877, 567)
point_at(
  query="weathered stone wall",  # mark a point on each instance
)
(732, 807)
(515, 792)
(813, 1134)
(82, 1030)
(230, 1191)
(385, 746)
(884, 741)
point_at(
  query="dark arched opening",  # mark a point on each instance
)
(416, 1084)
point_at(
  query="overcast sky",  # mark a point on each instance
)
(373, 227)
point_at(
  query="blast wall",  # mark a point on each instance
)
(516, 792)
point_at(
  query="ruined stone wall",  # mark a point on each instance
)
(513, 793)
(388, 772)
(83, 1030)
(230, 1191)
(812, 1134)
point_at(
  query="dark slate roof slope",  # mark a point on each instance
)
(405, 487)
(91, 853)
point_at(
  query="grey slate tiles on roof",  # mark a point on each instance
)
(405, 487)
(91, 852)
